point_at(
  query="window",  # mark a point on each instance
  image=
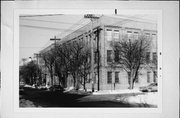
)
(116, 56)
(108, 35)
(155, 76)
(148, 76)
(154, 57)
(147, 57)
(129, 34)
(109, 55)
(154, 40)
(116, 35)
(147, 35)
(109, 77)
(136, 35)
(116, 77)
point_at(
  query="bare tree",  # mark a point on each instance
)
(31, 73)
(131, 53)
(62, 63)
(49, 59)
(85, 64)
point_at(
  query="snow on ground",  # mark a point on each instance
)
(137, 96)
(116, 91)
(147, 98)
(68, 89)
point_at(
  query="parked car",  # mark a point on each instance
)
(150, 88)
(56, 88)
(21, 85)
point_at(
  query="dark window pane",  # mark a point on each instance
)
(154, 57)
(109, 77)
(155, 76)
(109, 55)
(116, 77)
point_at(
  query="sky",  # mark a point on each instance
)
(35, 31)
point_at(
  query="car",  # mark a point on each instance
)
(150, 88)
(21, 85)
(56, 88)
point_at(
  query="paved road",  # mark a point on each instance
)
(41, 98)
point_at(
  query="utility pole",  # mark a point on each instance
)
(54, 39)
(92, 17)
(98, 59)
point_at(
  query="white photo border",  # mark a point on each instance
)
(19, 12)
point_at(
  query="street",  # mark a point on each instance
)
(42, 98)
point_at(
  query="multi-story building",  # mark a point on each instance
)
(113, 29)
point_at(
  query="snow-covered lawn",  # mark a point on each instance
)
(135, 96)
(147, 98)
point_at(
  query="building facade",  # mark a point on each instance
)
(107, 29)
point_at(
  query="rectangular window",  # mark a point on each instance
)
(147, 57)
(108, 35)
(109, 77)
(136, 35)
(147, 35)
(154, 57)
(154, 41)
(129, 34)
(155, 76)
(116, 77)
(116, 56)
(148, 77)
(116, 35)
(109, 55)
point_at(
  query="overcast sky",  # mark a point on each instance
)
(36, 31)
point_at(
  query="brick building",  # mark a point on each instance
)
(113, 29)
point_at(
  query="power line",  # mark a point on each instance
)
(30, 47)
(40, 27)
(72, 27)
(40, 15)
(48, 21)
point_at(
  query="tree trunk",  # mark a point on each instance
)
(84, 85)
(74, 78)
(131, 80)
(51, 74)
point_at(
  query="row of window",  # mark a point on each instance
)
(116, 34)
(109, 77)
(110, 56)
